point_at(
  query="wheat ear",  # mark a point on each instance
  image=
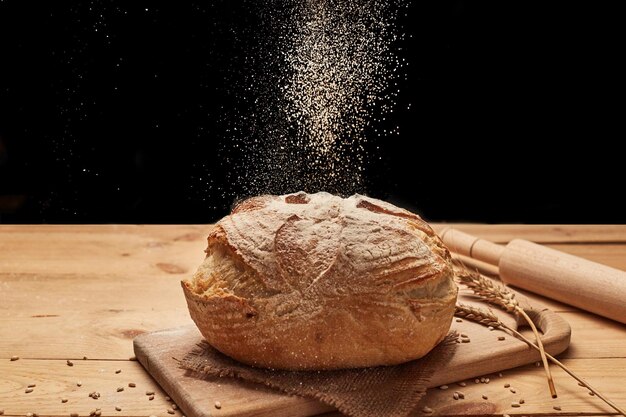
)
(503, 298)
(487, 318)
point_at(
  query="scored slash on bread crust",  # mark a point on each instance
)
(316, 281)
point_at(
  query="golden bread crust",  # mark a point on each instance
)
(315, 281)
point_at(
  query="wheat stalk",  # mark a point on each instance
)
(486, 289)
(487, 318)
(478, 315)
(505, 299)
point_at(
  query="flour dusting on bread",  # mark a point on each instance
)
(316, 281)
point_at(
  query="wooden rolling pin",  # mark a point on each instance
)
(587, 285)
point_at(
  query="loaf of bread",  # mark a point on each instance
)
(316, 281)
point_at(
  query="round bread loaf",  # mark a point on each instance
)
(316, 281)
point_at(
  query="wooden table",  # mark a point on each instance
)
(81, 293)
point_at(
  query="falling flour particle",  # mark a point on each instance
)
(321, 89)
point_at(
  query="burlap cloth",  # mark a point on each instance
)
(384, 391)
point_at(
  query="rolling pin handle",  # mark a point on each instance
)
(472, 246)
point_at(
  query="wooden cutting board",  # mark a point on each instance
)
(485, 354)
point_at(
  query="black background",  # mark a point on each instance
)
(517, 111)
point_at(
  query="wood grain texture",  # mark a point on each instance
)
(570, 279)
(607, 375)
(594, 337)
(55, 380)
(555, 233)
(484, 354)
(71, 316)
(114, 250)
(94, 249)
(158, 353)
(501, 233)
(71, 291)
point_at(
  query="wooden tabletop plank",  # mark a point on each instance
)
(62, 251)
(497, 232)
(594, 336)
(31, 294)
(529, 382)
(555, 233)
(153, 231)
(55, 380)
(78, 334)
(108, 335)
(98, 318)
(74, 291)
(75, 315)
(74, 250)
